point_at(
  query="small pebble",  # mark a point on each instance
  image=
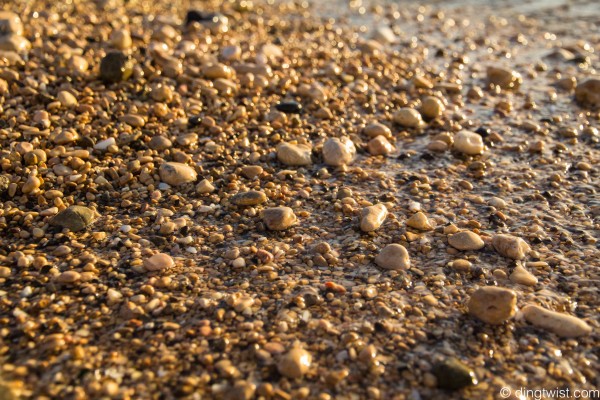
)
(249, 198)
(563, 325)
(523, 277)
(504, 78)
(159, 262)
(468, 142)
(452, 374)
(408, 118)
(372, 217)
(466, 240)
(419, 221)
(337, 152)
(294, 154)
(279, 218)
(295, 363)
(74, 218)
(176, 174)
(587, 93)
(380, 146)
(394, 257)
(493, 305)
(510, 246)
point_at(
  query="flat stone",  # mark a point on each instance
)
(249, 198)
(452, 374)
(294, 154)
(523, 277)
(176, 174)
(394, 257)
(419, 221)
(68, 277)
(505, 78)
(160, 143)
(289, 107)
(375, 129)
(563, 325)
(279, 218)
(468, 142)
(74, 218)
(466, 240)
(295, 363)
(159, 262)
(372, 217)
(337, 152)
(510, 246)
(493, 305)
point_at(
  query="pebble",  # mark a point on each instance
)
(294, 154)
(10, 23)
(205, 187)
(289, 107)
(380, 146)
(452, 374)
(116, 67)
(419, 221)
(159, 262)
(16, 43)
(466, 240)
(587, 93)
(432, 107)
(66, 99)
(504, 78)
(175, 173)
(74, 218)
(563, 325)
(279, 218)
(31, 184)
(249, 198)
(510, 246)
(160, 143)
(498, 203)
(295, 363)
(120, 39)
(375, 129)
(493, 305)
(408, 118)
(103, 145)
(337, 152)
(251, 171)
(68, 277)
(523, 277)
(393, 256)
(372, 217)
(468, 142)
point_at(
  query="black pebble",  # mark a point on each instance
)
(484, 132)
(194, 121)
(289, 107)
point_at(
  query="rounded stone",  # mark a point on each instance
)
(510, 246)
(249, 198)
(294, 154)
(523, 277)
(116, 67)
(337, 152)
(295, 363)
(587, 93)
(468, 142)
(393, 256)
(74, 218)
(279, 218)
(466, 240)
(176, 174)
(419, 221)
(160, 143)
(375, 129)
(432, 107)
(159, 262)
(504, 78)
(10, 23)
(452, 374)
(408, 118)
(13, 42)
(493, 305)
(380, 146)
(372, 217)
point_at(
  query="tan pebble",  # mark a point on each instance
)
(295, 363)
(421, 82)
(10, 23)
(249, 198)
(176, 174)
(158, 262)
(134, 120)
(461, 265)
(466, 240)
(294, 154)
(408, 118)
(493, 305)
(231, 53)
(505, 78)
(120, 39)
(468, 142)
(162, 93)
(279, 218)
(563, 325)
(587, 93)
(499, 274)
(437, 145)
(523, 277)
(74, 218)
(32, 183)
(375, 129)
(510, 246)
(67, 99)
(160, 143)
(13, 42)
(337, 152)
(215, 71)
(372, 217)
(380, 146)
(498, 203)
(65, 137)
(252, 171)
(204, 187)
(432, 107)
(68, 277)
(419, 221)
(394, 257)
